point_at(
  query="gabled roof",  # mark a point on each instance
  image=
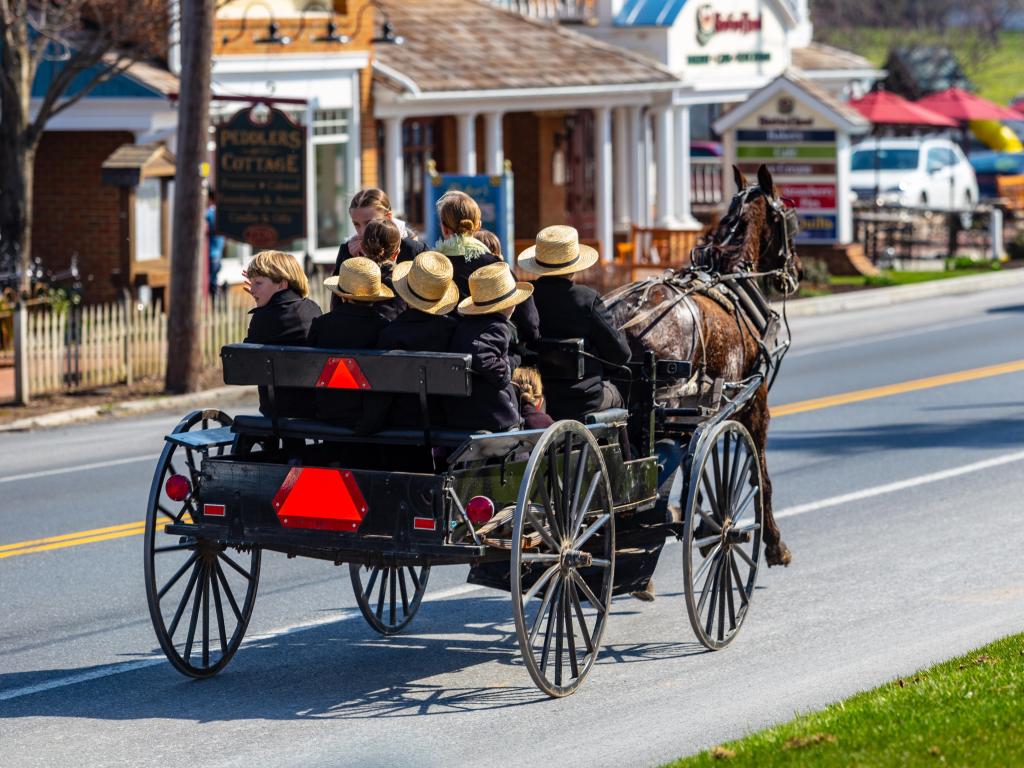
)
(469, 45)
(818, 56)
(130, 163)
(803, 90)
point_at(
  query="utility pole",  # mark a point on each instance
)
(183, 320)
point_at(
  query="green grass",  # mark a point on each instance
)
(963, 712)
(890, 277)
(997, 71)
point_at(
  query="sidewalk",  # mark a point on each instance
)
(221, 396)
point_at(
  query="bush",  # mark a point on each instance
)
(966, 262)
(816, 272)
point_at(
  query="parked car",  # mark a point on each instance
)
(928, 173)
(988, 166)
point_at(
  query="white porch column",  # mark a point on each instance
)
(495, 158)
(467, 144)
(684, 178)
(621, 153)
(638, 162)
(394, 164)
(603, 180)
(664, 136)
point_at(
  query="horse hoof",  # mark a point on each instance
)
(777, 554)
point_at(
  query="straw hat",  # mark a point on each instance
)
(426, 283)
(359, 280)
(557, 252)
(493, 289)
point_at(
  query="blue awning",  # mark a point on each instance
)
(649, 13)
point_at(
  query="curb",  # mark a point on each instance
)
(194, 399)
(898, 294)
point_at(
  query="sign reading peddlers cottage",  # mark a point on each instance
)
(261, 177)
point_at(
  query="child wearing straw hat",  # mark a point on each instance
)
(572, 311)
(355, 323)
(425, 284)
(485, 333)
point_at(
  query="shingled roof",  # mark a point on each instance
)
(469, 45)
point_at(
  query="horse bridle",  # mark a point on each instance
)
(785, 226)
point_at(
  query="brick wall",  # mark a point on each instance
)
(74, 212)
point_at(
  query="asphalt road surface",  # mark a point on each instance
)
(902, 505)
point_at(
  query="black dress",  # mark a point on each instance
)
(411, 331)
(285, 319)
(351, 326)
(572, 311)
(494, 402)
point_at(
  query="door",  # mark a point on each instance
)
(580, 173)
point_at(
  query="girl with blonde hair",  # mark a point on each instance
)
(459, 216)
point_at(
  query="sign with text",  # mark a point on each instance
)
(810, 197)
(817, 228)
(492, 193)
(261, 178)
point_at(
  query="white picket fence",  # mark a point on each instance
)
(103, 344)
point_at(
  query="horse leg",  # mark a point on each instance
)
(756, 420)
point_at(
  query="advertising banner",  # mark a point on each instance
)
(261, 177)
(492, 193)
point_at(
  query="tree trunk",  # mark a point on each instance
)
(17, 158)
(183, 322)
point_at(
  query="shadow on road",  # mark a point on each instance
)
(1006, 432)
(461, 655)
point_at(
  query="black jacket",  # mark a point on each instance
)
(350, 326)
(571, 311)
(525, 318)
(411, 331)
(285, 319)
(494, 402)
(407, 251)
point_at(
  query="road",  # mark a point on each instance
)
(902, 507)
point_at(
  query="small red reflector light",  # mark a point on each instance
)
(424, 524)
(213, 510)
(178, 487)
(480, 509)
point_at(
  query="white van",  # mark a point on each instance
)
(921, 172)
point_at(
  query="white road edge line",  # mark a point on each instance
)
(78, 468)
(150, 661)
(878, 490)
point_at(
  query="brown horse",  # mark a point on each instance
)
(656, 316)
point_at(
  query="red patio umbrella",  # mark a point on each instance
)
(885, 108)
(963, 105)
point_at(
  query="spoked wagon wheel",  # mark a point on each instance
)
(186, 576)
(722, 541)
(391, 595)
(563, 558)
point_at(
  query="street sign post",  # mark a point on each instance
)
(494, 195)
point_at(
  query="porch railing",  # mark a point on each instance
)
(562, 11)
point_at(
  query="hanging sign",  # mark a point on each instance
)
(492, 193)
(261, 178)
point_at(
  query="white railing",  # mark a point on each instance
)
(706, 180)
(564, 11)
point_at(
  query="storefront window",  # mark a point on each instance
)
(332, 193)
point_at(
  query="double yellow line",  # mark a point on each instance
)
(72, 539)
(134, 529)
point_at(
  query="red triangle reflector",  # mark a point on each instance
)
(321, 499)
(342, 373)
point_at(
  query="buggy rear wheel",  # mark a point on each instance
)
(563, 558)
(722, 533)
(388, 601)
(186, 576)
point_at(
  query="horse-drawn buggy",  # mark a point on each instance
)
(563, 518)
